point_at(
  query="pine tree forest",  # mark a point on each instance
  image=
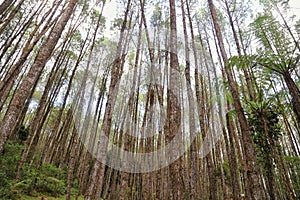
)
(150, 99)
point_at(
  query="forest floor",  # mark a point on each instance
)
(45, 197)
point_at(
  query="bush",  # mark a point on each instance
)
(51, 186)
(48, 179)
(9, 159)
(23, 186)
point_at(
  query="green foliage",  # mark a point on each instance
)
(48, 179)
(50, 185)
(294, 164)
(40, 196)
(232, 114)
(23, 133)
(277, 50)
(241, 62)
(156, 19)
(271, 35)
(23, 186)
(51, 170)
(37, 95)
(228, 95)
(117, 23)
(8, 160)
(263, 117)
(226, 170)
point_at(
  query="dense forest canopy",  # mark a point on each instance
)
(154, 99)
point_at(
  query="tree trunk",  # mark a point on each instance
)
(116, 74)
(173, 121)
(238, 47)
(232, 159)
(72, 162)
(194, 174)
(8, 82)
(33, 75)
(295, 94)
(252, 171)
(5, 5)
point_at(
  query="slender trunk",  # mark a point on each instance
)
(173, 122)
(252, 171)
(232, 159)
(238, 47)
(10, 16)
(194, 175)
(8, 82)
(5, 5)
(116, 74)
(33, 75)
(72, 162)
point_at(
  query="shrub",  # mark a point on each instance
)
(9, 159)
(51, 186)
(47, 180)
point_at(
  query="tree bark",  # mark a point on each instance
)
(194, 174)
(253, 179)
(5, 5)
(173, 122)
(295, 94)
(116, 75)
(33, 75)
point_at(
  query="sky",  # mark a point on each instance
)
(295, 8)
(295, 4)
(111, 10)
